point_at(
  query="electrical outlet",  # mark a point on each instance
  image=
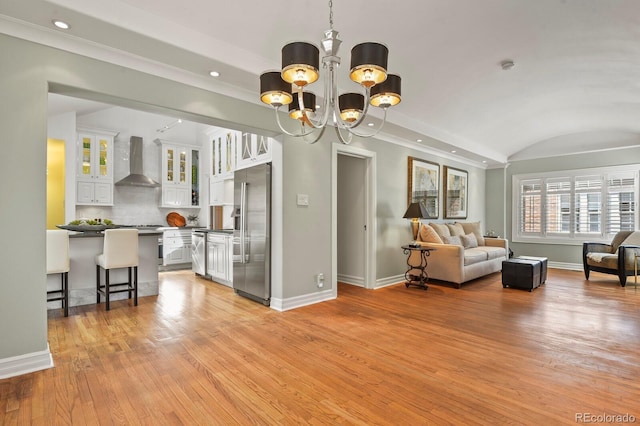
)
(320, 280)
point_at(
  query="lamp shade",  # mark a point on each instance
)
(351, 106)
(309, 100)
(415, 211)
(274, 90)
(388, 93)
(300, 63)
(369, 63)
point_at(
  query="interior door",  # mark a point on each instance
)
(351, 219)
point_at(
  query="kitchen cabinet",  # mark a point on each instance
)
(222, 149)
(219, 266)
(176, 247)
(98, 193)
(253, 149)
(180, 175)
(94, 171)
(216, 192)
(221, 192)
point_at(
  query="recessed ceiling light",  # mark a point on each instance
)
(418, 140)
(214, 73)
(370, 124)
(484, 161)
(61, 24)
(453, 151)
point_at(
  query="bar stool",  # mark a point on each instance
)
(120, 250)
(58, 263)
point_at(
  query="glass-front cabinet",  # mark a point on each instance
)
(253, 149)
(94, 172)
(180, 175)
(222, 147)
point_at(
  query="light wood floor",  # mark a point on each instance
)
(198, 354)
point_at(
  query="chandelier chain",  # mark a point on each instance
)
(330, 14)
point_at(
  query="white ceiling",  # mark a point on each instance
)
(575, 85)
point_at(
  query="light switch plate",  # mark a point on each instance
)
(303, 199)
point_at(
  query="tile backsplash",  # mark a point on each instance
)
(134, 205)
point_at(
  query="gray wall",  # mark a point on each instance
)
(556, 253)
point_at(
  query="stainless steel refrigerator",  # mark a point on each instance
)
(252, 233)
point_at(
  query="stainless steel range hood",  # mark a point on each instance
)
(136, 176)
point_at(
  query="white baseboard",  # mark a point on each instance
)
(299, 301)
(351, 279)
(386, 282)
(564, 265)
(27, 363)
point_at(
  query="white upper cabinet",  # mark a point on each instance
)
(222, 149)
(253, 149)
(94, 171)
(180, 175)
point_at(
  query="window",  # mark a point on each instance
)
(574, 206)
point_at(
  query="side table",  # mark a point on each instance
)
(413, 279)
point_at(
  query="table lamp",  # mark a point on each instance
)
(415, 212)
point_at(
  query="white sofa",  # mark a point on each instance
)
(453, 262)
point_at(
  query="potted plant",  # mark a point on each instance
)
(192, 219)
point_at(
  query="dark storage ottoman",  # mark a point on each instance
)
(521, 273)
(543, 271)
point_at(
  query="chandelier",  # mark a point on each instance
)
(300, 68)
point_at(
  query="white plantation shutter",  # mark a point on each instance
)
(531, 206)
(578, 205)
(588, 204)
(558, 205)
(621, 204)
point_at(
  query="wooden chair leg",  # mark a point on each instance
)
(106, 288)
(129, 282)
(97, 284)
(65, 293)
(135, 286)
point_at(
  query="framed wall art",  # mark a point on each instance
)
(424, 184)
(456, 187)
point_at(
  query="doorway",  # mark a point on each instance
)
(353, 216)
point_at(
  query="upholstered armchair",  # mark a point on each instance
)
(616, 258)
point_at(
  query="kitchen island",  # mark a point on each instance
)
(83, 248)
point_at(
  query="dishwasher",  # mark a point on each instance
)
(199, 252)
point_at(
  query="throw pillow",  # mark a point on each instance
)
(473, 228)
(441, 229)
(455, 240)
(429, 235)
(469, 241)
(619, 238)
(632, 240)
(456, 229)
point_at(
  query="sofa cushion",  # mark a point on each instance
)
(474, 255)
(603, 260)
(493, 252)
(429, 235)
(441, 229)
(473, 228)
(452, 240)
(469, 241)
(455, 229)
